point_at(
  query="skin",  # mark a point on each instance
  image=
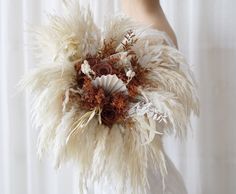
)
(149, 12)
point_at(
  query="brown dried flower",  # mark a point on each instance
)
(92, 97)
(133, 89)
(109, 115)
(120, 102)
(92, 60)
(100, 96)
(102, 68)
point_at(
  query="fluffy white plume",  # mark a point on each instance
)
(69, 37)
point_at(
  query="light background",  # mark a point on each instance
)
(206, 34)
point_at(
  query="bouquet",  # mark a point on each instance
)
(104, 99)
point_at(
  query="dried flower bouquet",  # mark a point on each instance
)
(105, 99)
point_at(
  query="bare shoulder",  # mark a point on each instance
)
(149, 12)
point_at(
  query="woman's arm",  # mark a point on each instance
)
(149, 12)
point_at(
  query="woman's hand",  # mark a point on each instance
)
(149, 12)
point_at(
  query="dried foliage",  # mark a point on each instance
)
(107, 49)
(91, 97)
(129, 40)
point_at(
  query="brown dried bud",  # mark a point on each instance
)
(109, 115)
(102, 68)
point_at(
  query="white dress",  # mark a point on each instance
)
(174, 183)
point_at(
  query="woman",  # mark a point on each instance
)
(150, 12)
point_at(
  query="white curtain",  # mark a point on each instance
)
(206, 35)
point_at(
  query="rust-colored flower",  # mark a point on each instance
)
(120, 102)
(133, 89)
(100, 96)
(102, 68)
(109, 115)
(92, 97)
